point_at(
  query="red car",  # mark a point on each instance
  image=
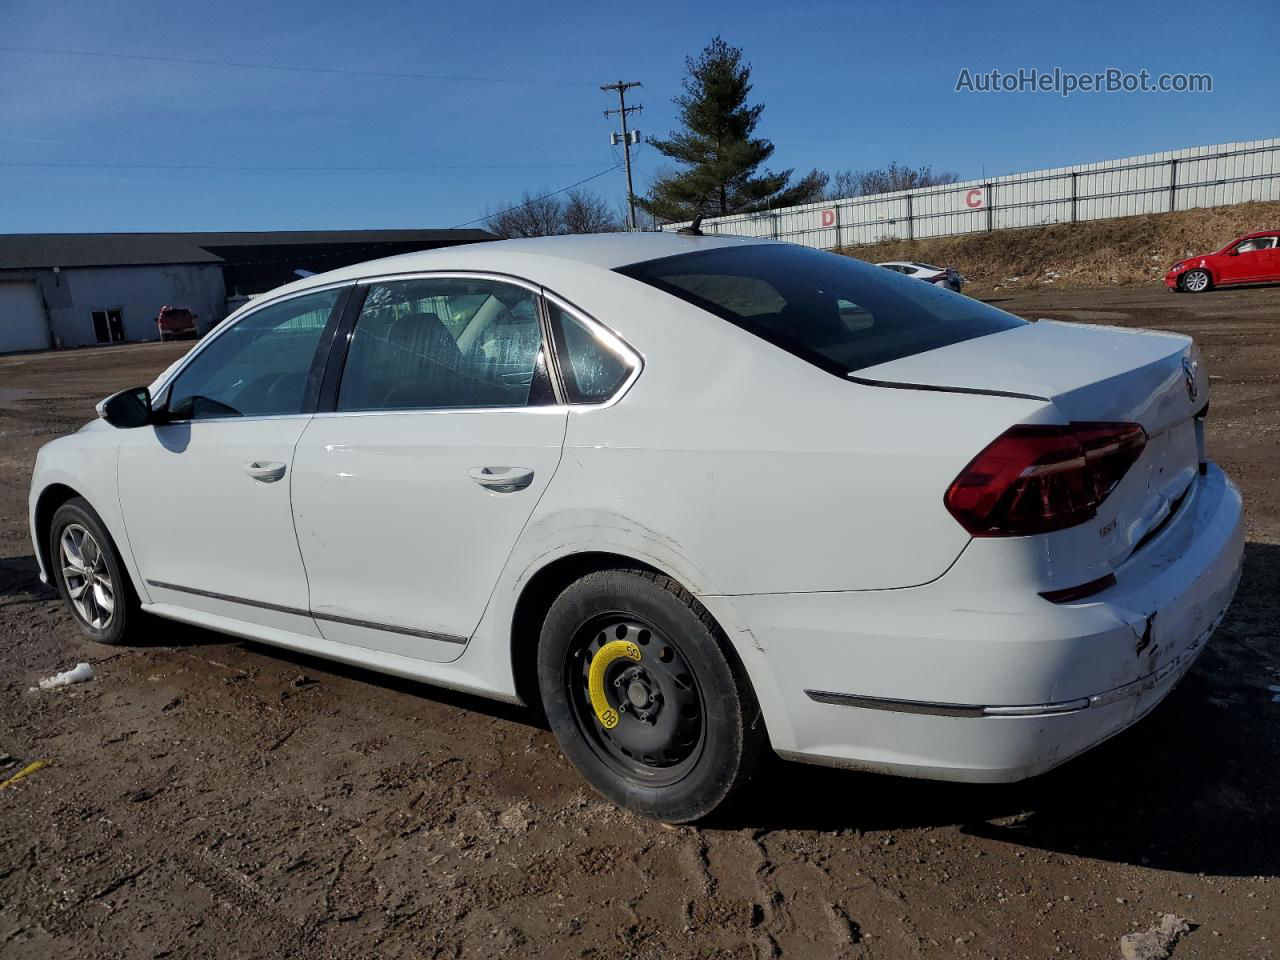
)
(1253, 258)
(175, 322)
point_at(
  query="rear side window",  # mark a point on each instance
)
(593, 370)
(838, 313)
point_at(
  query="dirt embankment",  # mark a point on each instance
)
(1128, 251)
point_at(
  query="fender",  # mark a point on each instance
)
(547, 540)
(86, 466)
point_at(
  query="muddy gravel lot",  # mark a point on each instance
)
(207, 797)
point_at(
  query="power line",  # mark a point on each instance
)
(529, 203)
(215, 166)
(394, 75)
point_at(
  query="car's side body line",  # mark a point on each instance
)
(447, 675)
(278, 608)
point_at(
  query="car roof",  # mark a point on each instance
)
(1258, 233)
(603, 250)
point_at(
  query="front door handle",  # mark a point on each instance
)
(502, 479)
(265, 471)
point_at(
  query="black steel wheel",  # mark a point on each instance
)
(635, 698)
(645, 695)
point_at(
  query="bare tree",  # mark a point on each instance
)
(586, 212)
(896, 176)
(533, 216)
(545, 216)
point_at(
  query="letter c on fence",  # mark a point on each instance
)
(973, 198)
(828, 218)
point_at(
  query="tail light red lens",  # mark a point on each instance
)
(1035, 479)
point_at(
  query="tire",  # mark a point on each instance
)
(1196, 281)
(77, 529)
(685, 729)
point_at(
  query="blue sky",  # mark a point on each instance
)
(846, 84)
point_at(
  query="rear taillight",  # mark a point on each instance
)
(1034, 479)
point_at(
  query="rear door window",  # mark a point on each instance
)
(838, 313)
(435, 343)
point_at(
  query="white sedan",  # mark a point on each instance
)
(943, 276)
(695, 497)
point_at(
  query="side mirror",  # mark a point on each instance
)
(128, 408)
(1233, 252)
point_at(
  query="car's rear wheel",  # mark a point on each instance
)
(89, 573)
(1196, 281)
(645, 696)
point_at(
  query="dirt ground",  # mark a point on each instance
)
(214, 798)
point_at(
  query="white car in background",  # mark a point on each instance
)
(943, 276)
(694, 496)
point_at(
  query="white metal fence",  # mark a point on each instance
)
(1209, 176)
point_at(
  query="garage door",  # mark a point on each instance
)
(22, 325)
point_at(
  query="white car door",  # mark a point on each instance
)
(429, 453)
(205, 496)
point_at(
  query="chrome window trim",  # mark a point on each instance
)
(547, 408)
(608, 338)
(251, 419)
(453, 275)
(249, 309)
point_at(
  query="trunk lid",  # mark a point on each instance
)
(1089, 373)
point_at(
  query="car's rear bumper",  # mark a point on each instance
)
(954, 681)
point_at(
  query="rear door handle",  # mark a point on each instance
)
(502, 479)
(265, 471)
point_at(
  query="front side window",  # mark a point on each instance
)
(1257, 243)
(259, 366)
(593, 369)
(445, 343)
(838, 313)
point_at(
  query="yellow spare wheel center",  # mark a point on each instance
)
(614, 650)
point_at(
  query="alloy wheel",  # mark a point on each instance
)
(1197, 281)
(88, 579)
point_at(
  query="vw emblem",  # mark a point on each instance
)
(1189, 375)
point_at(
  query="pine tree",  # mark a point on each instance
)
(717, 146)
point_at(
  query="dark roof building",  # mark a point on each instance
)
(71, 289)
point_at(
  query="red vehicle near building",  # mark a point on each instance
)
(1253, 258)
(173, 322)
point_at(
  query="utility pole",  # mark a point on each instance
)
(627, 138)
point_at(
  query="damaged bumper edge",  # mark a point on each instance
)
(1177, 666)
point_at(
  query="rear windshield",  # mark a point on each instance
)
(836, 312)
